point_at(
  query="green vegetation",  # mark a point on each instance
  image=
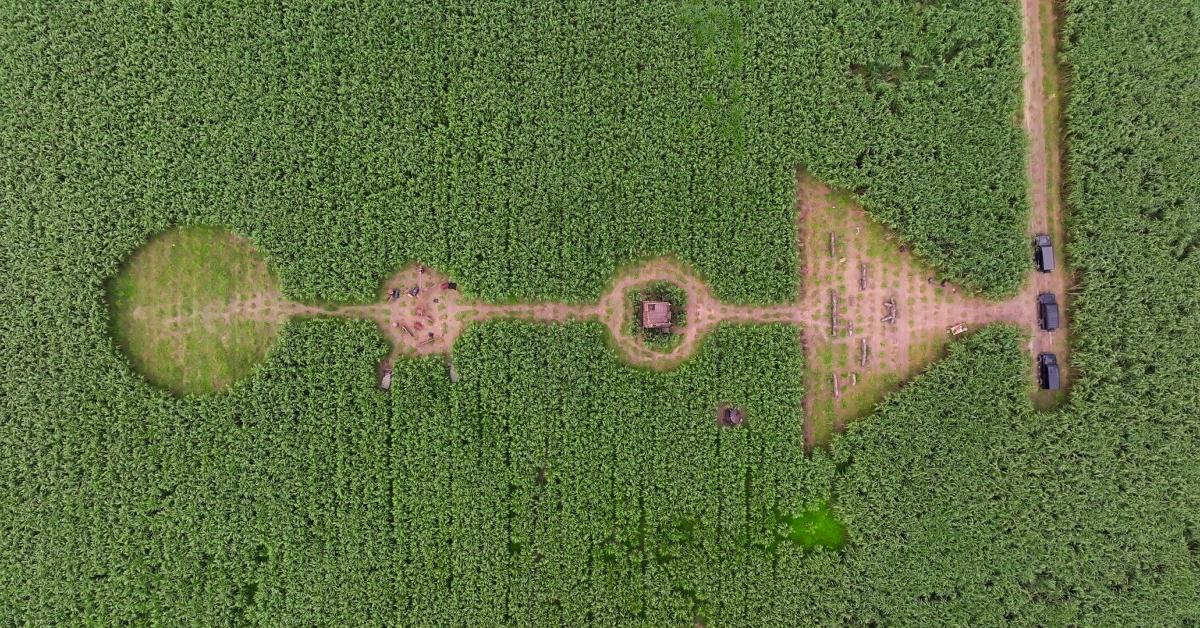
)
(940, 494)
(817, 527)
(531, 154)
(528, 151)
(554, 469)
(168, 304)
(659, 339)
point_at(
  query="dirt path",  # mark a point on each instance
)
(1043, 108)
(851, 258)
(839, 244)
(431, 320)
(840, 386)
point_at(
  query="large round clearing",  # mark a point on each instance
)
(195, 309)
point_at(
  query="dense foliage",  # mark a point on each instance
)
(552, 484)
(966, 507)
(1131, 438)
(528, 151)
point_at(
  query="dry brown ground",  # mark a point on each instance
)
(1043, 108)
(431, 322)
(926, 309)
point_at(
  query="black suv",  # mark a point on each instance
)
(1048, 371)
(1047, 312)
(1043, 253)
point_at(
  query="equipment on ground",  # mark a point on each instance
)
(1047, 312)
(889, 308)
(385, 380)
(1048, 371)
(833, 308)
(731, 416)
(1043, 253)
(656, 315)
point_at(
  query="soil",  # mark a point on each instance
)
(420, 326)
(431, 321)
(926, 310)
(1042, 118)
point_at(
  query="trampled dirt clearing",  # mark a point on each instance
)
(1043, 118)
(846, 256)
(842, 245)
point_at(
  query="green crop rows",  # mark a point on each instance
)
(530, 153)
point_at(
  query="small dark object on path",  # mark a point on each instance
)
(414, 292)
(394, 293)
(1048, 374)
(731, 416)
(1043, 253)
(449, 285)
(385, 380)
(1047, 311)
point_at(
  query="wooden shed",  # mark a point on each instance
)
(656, 315)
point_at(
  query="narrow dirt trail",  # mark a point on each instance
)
(1042, 126)
(420, 313)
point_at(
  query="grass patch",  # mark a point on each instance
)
(817, 527)
(181, 309)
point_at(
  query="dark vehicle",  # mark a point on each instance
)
(1043, 253)
(1047, 312)
(1048, 371)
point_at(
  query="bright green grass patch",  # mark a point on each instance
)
(188, 309)
(817, 527)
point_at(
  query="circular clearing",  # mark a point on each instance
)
(195, 309)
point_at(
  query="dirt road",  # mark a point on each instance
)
(847, 258)
(1043, 109)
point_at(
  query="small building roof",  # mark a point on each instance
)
(656, 314)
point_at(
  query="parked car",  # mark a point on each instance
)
(1043, 253)
(1047, 371)
(1047, 312)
